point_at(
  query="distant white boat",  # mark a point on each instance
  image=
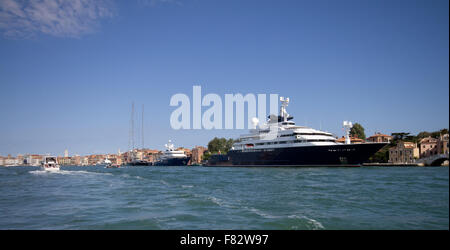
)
(50, 163)
(113, 166)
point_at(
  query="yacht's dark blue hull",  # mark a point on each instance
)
(139, 163)
(172, 162)
(334, 155)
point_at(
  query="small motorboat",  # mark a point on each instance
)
(50, 163)
(113, 166)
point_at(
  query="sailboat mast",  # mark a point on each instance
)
(132, 126)
(142, 129)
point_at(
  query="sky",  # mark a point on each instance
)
(70, 70)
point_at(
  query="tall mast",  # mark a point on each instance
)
(142, 130)
(132, 127)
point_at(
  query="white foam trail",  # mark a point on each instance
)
(66, 172)
(315, 224)
(187, 186)
(218, 201)
(39, 172)
(262, 214)
(131, 176)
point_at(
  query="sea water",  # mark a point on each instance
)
(225, 198)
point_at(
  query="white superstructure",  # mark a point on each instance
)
(281, 132)
(106, 161)
(50, 163)
(170, 152)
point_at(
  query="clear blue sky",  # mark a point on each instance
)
(67, 80)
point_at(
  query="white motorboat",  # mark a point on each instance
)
(50, 163)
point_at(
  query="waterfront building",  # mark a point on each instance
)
(443, 144)
(133, 156)
(138, 154)
(151, 155)
(85, 161)
(428, 147)
(66, 153)
(2, 161)
(126, 157)
(10, 161)
(114, 159)
(379, 137)
(76, 160)
(353, 140)
(35, 160)
(20, 159)
(187, 151)
(64, 160)
(404, 152)
(95, 159)
(197, 154)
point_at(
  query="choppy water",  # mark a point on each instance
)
(224, 198)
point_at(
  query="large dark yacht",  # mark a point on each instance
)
(279, 142)
(172, 157)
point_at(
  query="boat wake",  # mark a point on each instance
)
(219, 202)
(311, 223)
(164, 182)
(315, 224)
(44, 172)
(65, 172)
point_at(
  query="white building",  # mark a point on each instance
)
(11, 162)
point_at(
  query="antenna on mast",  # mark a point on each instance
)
(284, 104)
(347, 126)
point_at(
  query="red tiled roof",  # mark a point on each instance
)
(379, 134)
(428, 140)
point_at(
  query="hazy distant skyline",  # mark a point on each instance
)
(69, 71)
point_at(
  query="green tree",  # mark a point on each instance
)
(229, 144)
(206, 156)
(423, 134)
(221, 145)
(382, 156)
(358, 131)
(436, 134)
